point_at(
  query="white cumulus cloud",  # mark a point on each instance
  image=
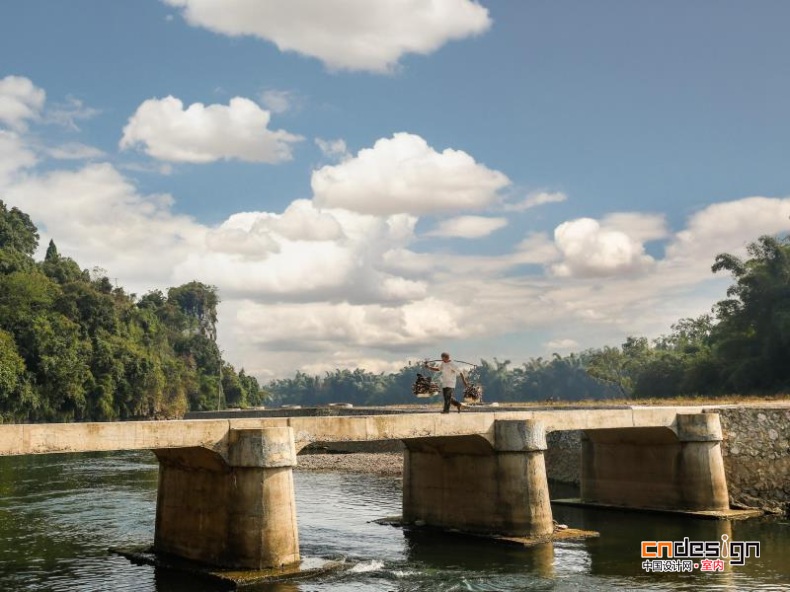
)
(537, 248)
(334, 149)
(322, 326)
(257, 234)
(534, 200)
(69, 113)
(201, 134)
(468, 227)
(562, 344)
(405, 174)
(301, 221)
(305, 255)
(97, 217)
(590, 250)
(347, 34)
(729, 227)
(14, 156)
(75, 151)
(639, 226)
(278, 101)
(20, 101)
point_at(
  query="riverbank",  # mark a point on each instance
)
(381, 463)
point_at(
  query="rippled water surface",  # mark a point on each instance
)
(59, 515)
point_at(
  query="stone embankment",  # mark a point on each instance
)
(756, 451)
(564, 456)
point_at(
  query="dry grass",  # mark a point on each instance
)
(695, 401)
(690, 401)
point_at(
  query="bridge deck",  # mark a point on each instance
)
(21, 439)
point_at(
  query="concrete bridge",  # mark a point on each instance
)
(226, 493)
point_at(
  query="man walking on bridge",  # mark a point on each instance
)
(449, 379)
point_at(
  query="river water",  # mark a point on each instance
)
(59, 515)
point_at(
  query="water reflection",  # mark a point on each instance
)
(438, 550)
(168, 579)
(617, 553)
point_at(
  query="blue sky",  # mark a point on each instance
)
(368, 183)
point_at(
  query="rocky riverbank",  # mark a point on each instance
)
(383, 463)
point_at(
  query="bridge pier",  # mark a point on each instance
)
(464, 483)
(234, 512)
(657, 468)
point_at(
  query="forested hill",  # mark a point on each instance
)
(73, 347)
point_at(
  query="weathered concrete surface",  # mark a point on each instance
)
(466, 484)
(46, 438)
(19, 439)
(238, 512)
(232, 579)
(656, 467)
(728, 514)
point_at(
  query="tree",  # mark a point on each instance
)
(661, 375)
(620, 367)
(12, 366)
(17, 231)
(17, 399)
(752, 337)
(60, 361)
(199, 303)
(302, 389)
(495, 379)
(63, 270)
(566, 378)
(688, 335)
(12, 260)
(23, 297)
(52, 252)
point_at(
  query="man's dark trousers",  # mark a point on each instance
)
(447, 393)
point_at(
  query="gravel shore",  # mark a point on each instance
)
(384, 463)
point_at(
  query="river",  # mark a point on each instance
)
(59, 515)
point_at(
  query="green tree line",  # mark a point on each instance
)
(74, 347)
(742, 347)
(537, 380)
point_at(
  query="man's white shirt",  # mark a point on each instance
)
(450, 374)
